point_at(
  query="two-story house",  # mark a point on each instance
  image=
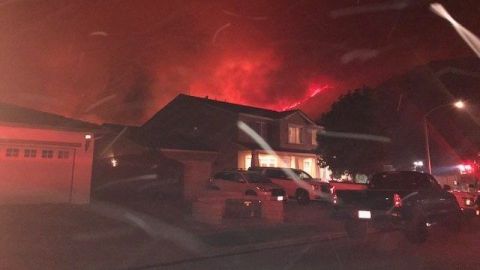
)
(193, 123)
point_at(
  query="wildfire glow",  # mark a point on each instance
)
(315, 91)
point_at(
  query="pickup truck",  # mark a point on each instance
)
(406, 200)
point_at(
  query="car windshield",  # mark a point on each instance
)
(130, 131)
(256, 178)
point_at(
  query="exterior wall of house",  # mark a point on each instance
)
(206, 125)
(43, 165)
(197, 167)
(226, 158)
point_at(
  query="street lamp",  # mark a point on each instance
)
(459, 105)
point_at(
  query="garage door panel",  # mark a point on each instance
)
(45, 176)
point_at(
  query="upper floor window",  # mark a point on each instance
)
(314, 137)
(294, 134)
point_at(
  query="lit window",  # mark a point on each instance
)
(294, 135)
(12, 152)
(47, 154)
(62, 154)
(307, 165)
(264, 160)
(31, 153)
(314, 137)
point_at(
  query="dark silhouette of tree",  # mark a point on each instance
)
(355, 138)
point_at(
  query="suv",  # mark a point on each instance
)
(249, 183)
(297, 183)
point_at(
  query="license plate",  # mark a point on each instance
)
(280, 198)
(364, 214)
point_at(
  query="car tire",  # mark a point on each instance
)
(302, 197)
(416, 230)
(356, 229)
(250, 193)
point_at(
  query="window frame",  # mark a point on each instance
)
(297, 137)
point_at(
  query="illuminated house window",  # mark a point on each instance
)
(265, 161)
(314, 137)
(308, 165)
(12, 152)
(294, 135)
(47, 153)
(30, 153)
(63, 154)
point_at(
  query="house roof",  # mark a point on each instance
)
(237, 108)
(20, 115)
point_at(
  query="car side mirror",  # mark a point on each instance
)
(447, 187)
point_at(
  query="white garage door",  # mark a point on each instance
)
(35, 173)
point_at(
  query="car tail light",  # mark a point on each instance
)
(397, 201)
(335, 199)
(334, 194)
(468, 202)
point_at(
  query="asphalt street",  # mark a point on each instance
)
(103, 237)
(379, 251)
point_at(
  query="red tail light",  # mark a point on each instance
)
(397, 201)
(334, 195)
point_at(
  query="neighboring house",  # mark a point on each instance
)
(42, 164)
(44, 158)
(203, 124)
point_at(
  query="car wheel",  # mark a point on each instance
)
(250, 193)
(302, 197)
(356, 229)
(416, 230)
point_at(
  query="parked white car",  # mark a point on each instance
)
(248, 183)
(297, 183)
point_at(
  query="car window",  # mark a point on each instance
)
(277, 174)
(433, 183)
(302, 175)
(256, 178)
(406, 181)
(230, 176)
(219, 175)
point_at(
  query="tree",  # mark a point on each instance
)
(355, 135)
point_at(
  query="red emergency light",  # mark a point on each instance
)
(465, 168)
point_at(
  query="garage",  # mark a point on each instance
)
(44, 165)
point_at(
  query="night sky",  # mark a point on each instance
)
(121, 61)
